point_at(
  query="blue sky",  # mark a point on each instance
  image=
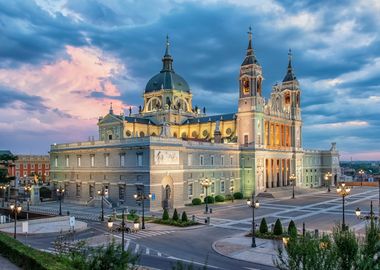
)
(63, 62)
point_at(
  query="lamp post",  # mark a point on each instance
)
(60, 192)
(110, 225)
(232, 193)
(142, 197)
(15, 209)
(102, 193)
(3, 188)
(361, 172)
(205, 183)
(253, 204)
(370, 216)
(122, 230)
(27, 189)
(327, 176)
(292, 179)
(343, 191)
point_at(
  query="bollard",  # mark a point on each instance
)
(193, 218)
(316, 232)
(208, 220)
(303, 229)
(205, 220)
(210, 210)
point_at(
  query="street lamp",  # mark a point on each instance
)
(370, 216)
(361, 172)
(205, 183)
(3, 188)
(343, 191)
(142, 197)
(292, 179)
(60, 192)
(253, 204)
(232, 193)
(102, 193)
(15, 209)
(27, 189)
(122, 230)
(327, 176)
(110, 225)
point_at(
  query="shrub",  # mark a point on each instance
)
(175, 215)
(238, 195)
(209, 199)
(263, 226)
(277, 230)
(292, 229)
(228, 197)
(196, 201)
(165, 215)
(45, 192)
(219, 198)
(184, 217)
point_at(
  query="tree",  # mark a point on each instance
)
(277, 230)
(184, 217)
(292, 229)
(263, 226)
(165, 215)
(6, 160)
(175, 215)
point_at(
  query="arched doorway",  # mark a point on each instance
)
(167, 193)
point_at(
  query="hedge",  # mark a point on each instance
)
(238, 195)
(45, 192)
(209, 199)
(219, 198)
(175, 223)
(196, 201)
(29, 258)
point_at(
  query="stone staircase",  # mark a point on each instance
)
(97, 202)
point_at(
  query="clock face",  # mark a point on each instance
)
(245, 86)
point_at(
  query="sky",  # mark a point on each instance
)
(63, 62)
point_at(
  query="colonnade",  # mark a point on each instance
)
(277, 172)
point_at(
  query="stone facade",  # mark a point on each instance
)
(169, 146)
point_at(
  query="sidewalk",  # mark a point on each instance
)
(239, 247)
(5, 264)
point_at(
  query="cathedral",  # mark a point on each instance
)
(170, 146)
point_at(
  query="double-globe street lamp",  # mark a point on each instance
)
(293, 179)
(253, 204)
(141, 196)
(206, 183)
(15, 209)
(371, 216)
(27, 189)
(327, 180)
(343, 191)
(361, 172)
(60, 192)
(102, 193)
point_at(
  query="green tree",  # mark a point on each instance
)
(263, 226)
(165, 215)
(277, 230)
(6, 160)
(184, 217)
(175, 215)
(292, 229)
(346, 247)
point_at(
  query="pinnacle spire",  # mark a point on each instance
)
(167, 60)
(111, 109)
(289, 74)
(250, 57)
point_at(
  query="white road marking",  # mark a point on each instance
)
(137, 248)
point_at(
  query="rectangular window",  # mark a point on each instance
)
(32, 166)
(190, 189)
(222, 160)
(56, 162)
(231, 160)
(122, 160)
(92, 157)
(25, 166)
(91, 191)
(246, 140)
(107, 161)
(189, 159)
(39, 166)
(17, 166)
(139, 159)
(212, 161)
(201, 160)
(222, 186)
(17, 174)
(67, 161)
(47, 166)
(79, 161)
(78, 189)
(213, 187)
(121, 193)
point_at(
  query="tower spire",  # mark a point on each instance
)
(111, 109)
(167, 60)
(289, 74)
(250, 58)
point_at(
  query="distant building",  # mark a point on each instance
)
(170, 146)
(28, 166)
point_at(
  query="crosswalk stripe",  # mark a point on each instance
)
(159, 254)
(147, 251)
(137, 248)
(127, 244)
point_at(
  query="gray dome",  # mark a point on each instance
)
(167, 80)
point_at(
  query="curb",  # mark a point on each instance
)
(224, 255)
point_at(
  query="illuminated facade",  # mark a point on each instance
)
(169, 145)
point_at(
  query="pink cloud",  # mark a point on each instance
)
(360, 156)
